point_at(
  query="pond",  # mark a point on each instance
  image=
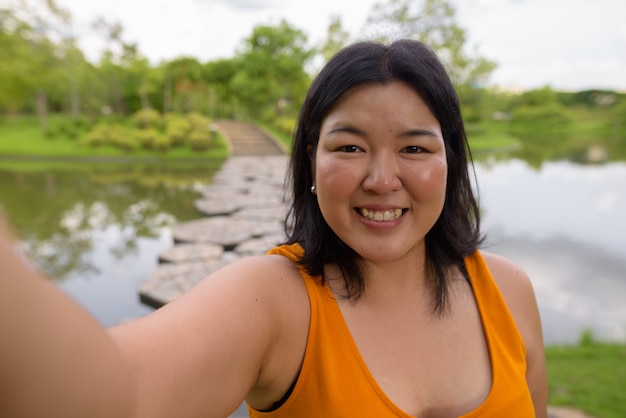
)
(98, 229)
(565, 224)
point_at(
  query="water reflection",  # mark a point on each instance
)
(98, 230)
(565, 224)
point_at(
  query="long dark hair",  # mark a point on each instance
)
(456, 233)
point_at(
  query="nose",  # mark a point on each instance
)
(383, 174)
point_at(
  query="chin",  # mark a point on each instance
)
(383, 255)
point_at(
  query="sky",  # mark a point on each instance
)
(564, 44)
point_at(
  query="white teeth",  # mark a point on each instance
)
(380, 216)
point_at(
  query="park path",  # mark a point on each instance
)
(247, 138)
(240, 213)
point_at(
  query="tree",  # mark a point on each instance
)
(271, 80)
(219, 75)
(126, 72)
(15, 57)
(336, 38)
(38, 35)
(432, 22)
(540, 107)
(185, 86)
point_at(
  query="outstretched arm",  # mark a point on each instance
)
(239, 333)
(55, 359)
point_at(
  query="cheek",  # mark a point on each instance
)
(333, 176)
(431, 182)
(336, 184)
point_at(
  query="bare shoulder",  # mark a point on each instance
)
(510, 277)
(517, 290)
(233, 328)
(258, 274)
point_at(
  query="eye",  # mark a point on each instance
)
(413, 149)
(349, 148)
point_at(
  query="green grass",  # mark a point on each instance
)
(590, 376)
(23, 136)
(283, 138)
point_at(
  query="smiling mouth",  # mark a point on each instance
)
(380, 215)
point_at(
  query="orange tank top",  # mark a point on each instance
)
(334, 380)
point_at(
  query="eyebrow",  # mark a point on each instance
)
(345, 128)
(420, 132)
(408, 134)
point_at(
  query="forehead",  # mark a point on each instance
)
(372, 101)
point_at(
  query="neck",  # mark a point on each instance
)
(388, 283)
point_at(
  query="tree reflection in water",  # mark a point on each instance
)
(102, 224)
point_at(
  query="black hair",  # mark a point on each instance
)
(456, 233)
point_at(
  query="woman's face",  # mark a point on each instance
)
(380, 171)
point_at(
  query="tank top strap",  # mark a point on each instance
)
(509, 395)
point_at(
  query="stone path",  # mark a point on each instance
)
(242, 214)
(241, 211)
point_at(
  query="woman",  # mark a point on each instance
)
(379, 304)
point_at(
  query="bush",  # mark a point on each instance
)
(285, 125)
(177, 130)
(198, 121)
(200, 140)
(122, 137)
(146, 137)
(72, 128)
(98, 136)
(147, 118)
(551, 114)
(161, 143)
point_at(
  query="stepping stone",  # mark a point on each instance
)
(258, 246)
(220, 230)
(218, 206)
(187, 253)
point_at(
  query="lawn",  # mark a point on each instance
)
(23, 136)
(590, 376)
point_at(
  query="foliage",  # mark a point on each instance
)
(98, 136)
(44, 73)
(20, 136)
(336, 39)
(432, 22)
(200, 140)
(285, 125)
(200, 131)
(176, 129)
(187, 89)
(160, 142)
(147, 118)
(219, 74)
(271, 80)
(540, 106)
(121, 137)
(551, 114)
(590, 376)
(618, 114)
(146, 138)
